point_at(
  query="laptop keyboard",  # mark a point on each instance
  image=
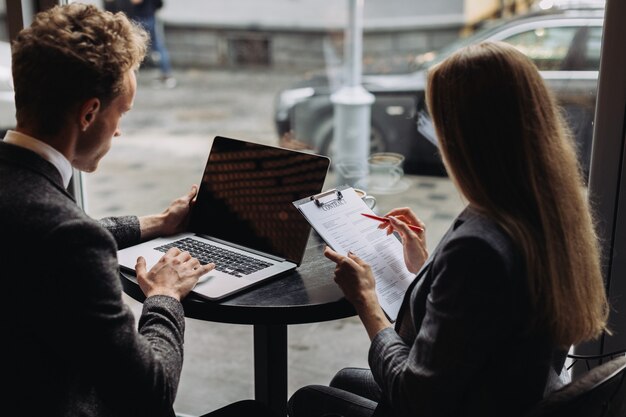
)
(226, 261)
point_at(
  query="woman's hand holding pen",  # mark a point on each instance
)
(413, 242)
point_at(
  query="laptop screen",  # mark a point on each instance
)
(247, 192)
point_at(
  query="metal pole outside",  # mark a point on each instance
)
(352, 107)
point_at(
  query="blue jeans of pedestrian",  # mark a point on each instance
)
(353, 392)
(157, 43)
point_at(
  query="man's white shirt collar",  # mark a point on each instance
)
(44, 150)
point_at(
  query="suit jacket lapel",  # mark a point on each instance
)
(405, 323)
(409, 290)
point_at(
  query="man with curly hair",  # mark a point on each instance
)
(72, 348)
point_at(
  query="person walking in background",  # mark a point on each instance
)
(144, 12)
(486, 325)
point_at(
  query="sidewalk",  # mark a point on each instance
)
(162, 152)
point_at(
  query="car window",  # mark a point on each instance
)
(549, 47)
(428, 59)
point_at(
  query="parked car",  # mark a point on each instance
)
(564, 44)
(7, 99)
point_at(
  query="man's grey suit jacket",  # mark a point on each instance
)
(71, 346)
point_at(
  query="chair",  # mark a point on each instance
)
(592, 361)
(601, 392)
(241, 408)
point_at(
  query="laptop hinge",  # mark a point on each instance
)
(243, 248)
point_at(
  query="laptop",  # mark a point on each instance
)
(243, 219)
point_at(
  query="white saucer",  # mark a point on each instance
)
(401, 186)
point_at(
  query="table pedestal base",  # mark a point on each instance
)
(270, 366)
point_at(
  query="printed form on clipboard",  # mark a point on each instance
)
(336, 217)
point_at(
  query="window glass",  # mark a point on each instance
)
(4, 31)
(265, 72)
(7, 108)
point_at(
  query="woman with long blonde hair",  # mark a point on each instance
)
(485, 327)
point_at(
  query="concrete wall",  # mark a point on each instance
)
(307, 33)
(207, 47)
(311, 15)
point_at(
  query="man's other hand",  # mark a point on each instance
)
(172, 220)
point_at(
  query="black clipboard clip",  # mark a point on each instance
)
(317, 197)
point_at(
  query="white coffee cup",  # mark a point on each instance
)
(385, 170)
(370, 200)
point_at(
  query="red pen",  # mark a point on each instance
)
(385, 220)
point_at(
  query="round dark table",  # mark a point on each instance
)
(306, 295)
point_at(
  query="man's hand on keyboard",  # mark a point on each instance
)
(174, 275)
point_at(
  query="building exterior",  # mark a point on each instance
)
(308, 33)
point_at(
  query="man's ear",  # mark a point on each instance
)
(88, 112)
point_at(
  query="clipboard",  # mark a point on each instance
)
(324, 197)
(336, 215)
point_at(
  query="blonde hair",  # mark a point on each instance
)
(69, 54)
(507, 149)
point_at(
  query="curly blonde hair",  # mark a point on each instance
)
(69, 54)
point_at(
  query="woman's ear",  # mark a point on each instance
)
(88, 113)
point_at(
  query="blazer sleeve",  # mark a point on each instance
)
(125, 230)
(465, 313)
(139, 371)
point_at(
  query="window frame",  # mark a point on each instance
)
(607, 181)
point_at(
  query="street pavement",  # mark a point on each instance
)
(165, 142)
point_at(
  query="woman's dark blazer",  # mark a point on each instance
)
(71, 345)
(462, 345)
